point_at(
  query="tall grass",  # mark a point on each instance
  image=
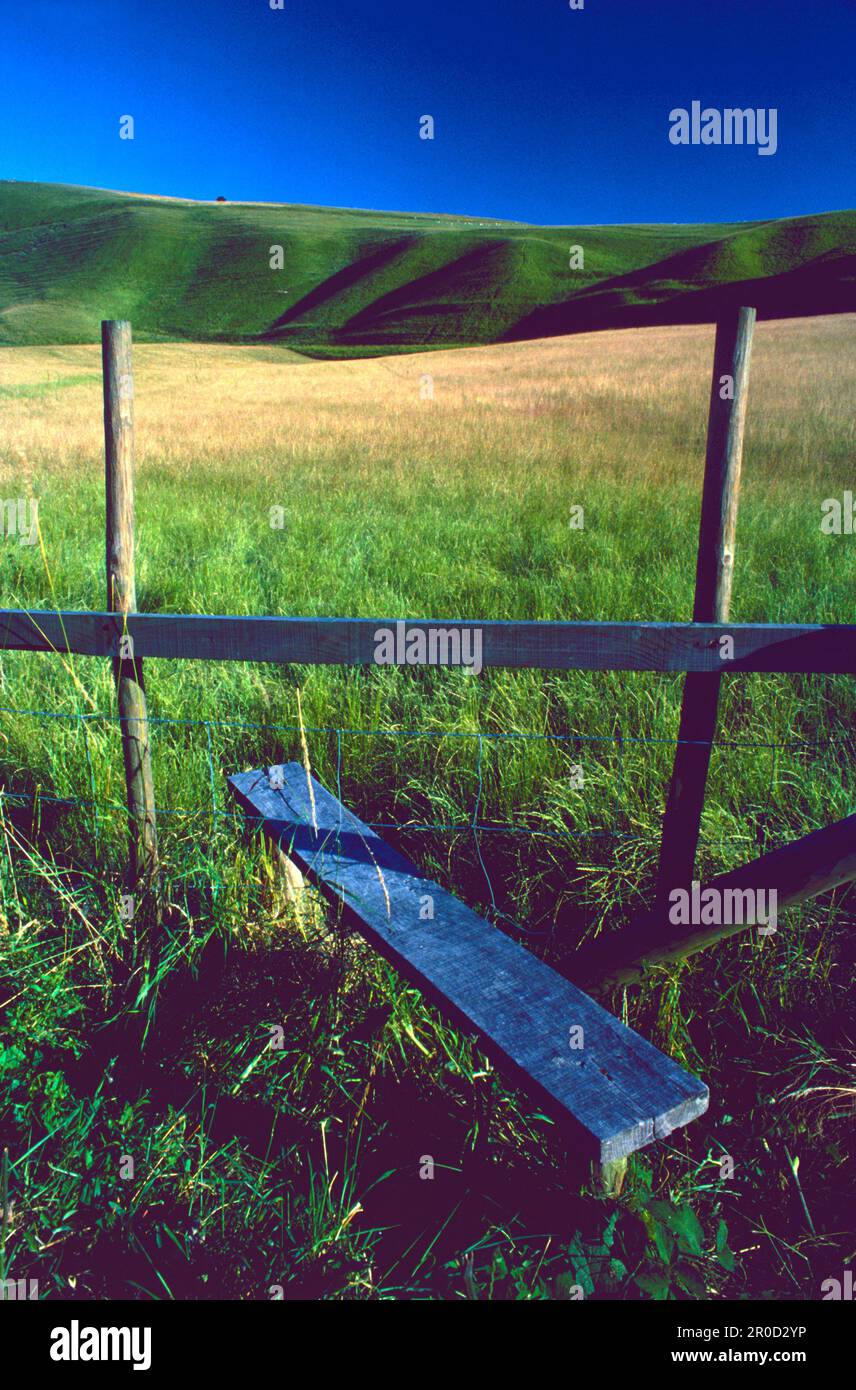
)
(302, 1171)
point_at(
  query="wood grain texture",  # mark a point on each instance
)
(615, 1093)
(800, 647)
(122, 597)
(817, 863)
(118, 383)
(723, 467)
(714, 574)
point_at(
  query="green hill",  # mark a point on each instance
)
(355, 282)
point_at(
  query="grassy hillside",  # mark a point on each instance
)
(355, 282)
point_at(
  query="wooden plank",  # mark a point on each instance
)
(593, 646)
(615, 1093)
(714, 574)
(817, 863)
(122, 598)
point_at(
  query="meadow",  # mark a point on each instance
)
(425, 486)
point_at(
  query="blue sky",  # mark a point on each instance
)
(542, 113)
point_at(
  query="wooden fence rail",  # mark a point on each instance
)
(587, 646)
(815, 864)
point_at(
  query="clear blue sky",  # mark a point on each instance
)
(542, 113)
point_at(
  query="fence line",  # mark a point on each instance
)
(517, 645)
(410, 733)
(702, 650)
(473, 826)
(618, 740)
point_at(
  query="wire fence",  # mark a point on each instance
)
(476, 825)
(619, 741)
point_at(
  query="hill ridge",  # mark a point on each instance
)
(355, 282)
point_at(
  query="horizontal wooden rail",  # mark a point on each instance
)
(588, 646)
(817, 863)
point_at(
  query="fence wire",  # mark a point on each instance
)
(475, 824)
(619, 740)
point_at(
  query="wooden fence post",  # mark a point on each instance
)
(122, 598)
(714, 573)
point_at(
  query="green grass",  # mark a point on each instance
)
(258, 1169)
(40, 388)
(356, 282)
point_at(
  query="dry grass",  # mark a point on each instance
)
(551, 404)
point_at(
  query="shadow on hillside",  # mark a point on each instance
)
(822, 287)
(344, 279)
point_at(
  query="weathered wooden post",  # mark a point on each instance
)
(714, 573)
(143, 872)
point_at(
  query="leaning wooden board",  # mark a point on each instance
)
(615, 1092)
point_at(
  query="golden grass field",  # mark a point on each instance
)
(614, 403)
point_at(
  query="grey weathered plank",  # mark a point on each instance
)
(616, 1093)
(589, 646)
